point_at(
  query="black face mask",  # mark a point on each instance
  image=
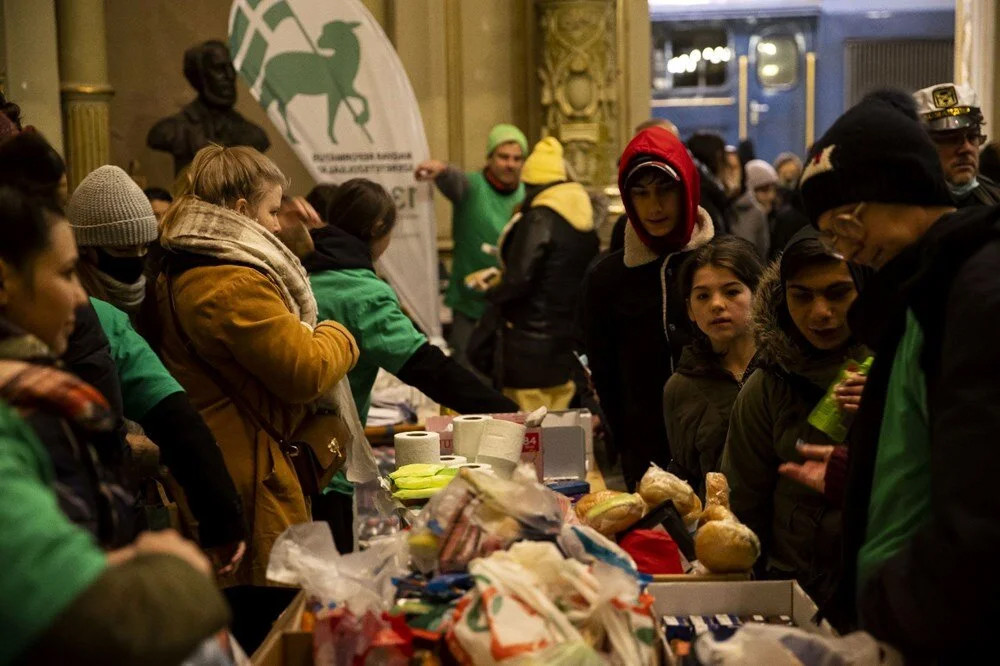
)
(123, 269)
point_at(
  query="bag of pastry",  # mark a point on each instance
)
(657, 486)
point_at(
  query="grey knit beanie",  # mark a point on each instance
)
(108, 209)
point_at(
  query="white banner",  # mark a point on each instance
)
(330, 79)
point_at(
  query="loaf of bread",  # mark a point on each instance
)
(590, 500)
(616, 514)
(726, 546)
(716, 489)
(694, 514)
(658, 486)
(715, 512)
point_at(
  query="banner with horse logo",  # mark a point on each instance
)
(331, 81)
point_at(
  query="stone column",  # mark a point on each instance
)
(577, 50)
(977, 47)
(83, 70)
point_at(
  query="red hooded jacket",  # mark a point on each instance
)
(658, 147)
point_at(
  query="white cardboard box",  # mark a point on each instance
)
(769, 598)
(559, 448)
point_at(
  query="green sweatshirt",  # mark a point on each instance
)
(144, 380)
(479, 215)
(369, 308)
(47, 561)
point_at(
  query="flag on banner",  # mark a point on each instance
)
(330, 80)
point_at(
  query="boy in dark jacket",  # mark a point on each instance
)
(921, 515)
(634, 316)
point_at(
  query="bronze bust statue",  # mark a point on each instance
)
(210, 118)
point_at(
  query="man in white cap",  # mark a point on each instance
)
(952, 116)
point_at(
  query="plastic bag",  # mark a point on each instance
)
(477, 514)
(530, 600)
(778, 645)
(304, 555)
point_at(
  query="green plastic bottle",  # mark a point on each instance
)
(827, 417)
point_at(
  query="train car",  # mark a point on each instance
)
(779, 73)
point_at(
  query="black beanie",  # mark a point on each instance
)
(874, 152)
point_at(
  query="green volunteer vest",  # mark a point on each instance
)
(477, 219)
(901, 484)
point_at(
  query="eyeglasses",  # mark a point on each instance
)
(846, 231)
(957, 139)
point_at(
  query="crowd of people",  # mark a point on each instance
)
(226, 320)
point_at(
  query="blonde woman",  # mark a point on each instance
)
(237, 314)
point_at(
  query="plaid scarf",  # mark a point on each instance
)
(202, 228)
(29, 382)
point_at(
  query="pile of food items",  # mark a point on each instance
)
(722, 544)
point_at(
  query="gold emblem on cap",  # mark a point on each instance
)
(944, 97)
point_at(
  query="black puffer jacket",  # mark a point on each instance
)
(544, 255)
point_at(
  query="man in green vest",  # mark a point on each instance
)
(483, 203)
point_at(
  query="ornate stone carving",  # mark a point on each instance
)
(579, 92)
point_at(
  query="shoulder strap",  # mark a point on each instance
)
(213, 374)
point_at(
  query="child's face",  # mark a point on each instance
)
(657, 202)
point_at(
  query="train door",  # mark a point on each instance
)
(777, 88)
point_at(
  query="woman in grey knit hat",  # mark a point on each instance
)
(114, 224)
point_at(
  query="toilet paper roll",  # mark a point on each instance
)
(479, 467)
(500, 446)
(453, 461)
(417, 447)
(468, 430)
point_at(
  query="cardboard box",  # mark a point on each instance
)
(557, 449)
(769, 598)
(286, 644)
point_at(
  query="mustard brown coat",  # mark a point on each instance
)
(238, 322)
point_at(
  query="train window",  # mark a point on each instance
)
(777, 61)
(693, 58)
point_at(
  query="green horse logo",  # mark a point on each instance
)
(288, 75)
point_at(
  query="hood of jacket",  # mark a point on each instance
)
(638, 253)
(656, 145)
(570, 201)
(337, 250)
(780, 344)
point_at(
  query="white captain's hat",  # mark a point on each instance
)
(948, 106)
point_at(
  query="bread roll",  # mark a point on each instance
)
(716, 489)
(590, 500)
(715, 512)
(658, 486)
(726, 546)
(616, 514)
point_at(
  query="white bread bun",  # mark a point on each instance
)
(726, 546)
(658, 486)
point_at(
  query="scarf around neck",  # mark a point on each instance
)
(202, 228)
(29, 381)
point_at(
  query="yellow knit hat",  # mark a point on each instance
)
(545, 163)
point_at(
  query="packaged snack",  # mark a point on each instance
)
(658, 486)
(616, 514)
(716, 490)
(827, 416)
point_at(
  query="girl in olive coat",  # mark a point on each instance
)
(717, 281)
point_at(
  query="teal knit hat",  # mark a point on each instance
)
(504, 133)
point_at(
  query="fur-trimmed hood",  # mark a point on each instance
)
(638, 253)
(788, 349)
